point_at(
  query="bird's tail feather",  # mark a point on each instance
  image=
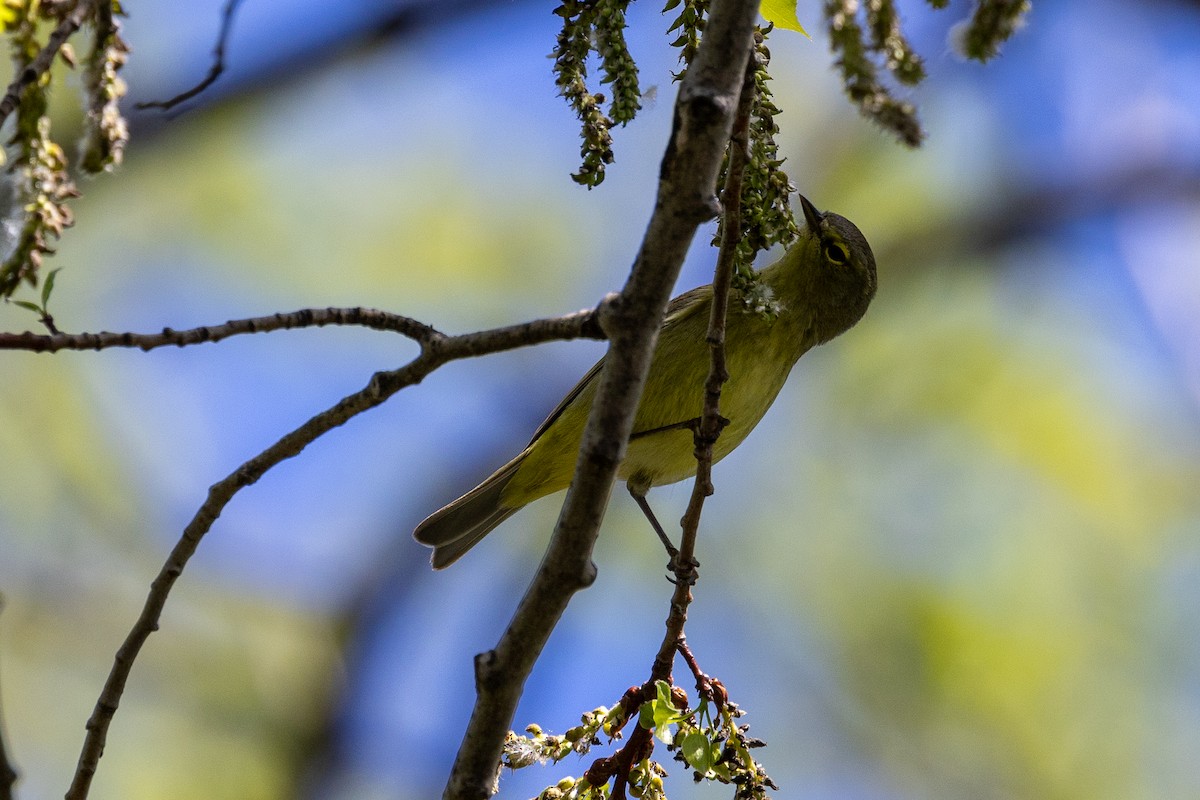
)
(457, 527)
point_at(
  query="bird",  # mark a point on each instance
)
(818, 289)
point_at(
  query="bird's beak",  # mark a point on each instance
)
(811, 216)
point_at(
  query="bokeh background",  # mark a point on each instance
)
(960, 558)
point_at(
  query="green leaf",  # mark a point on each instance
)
(698, 751)
(660, 713)
(665, 712)
(782, 14)
(664, 715)
(26, 304)
(48, 285)
(646, 716)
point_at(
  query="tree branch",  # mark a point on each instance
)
(542, 330)
(704, 113)
(35, 69)
(436, 350)
(304, 318)
(641, 741)
(214, 72)
(8, 773)
(711, 423)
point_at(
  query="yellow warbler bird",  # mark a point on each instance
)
(819, 288)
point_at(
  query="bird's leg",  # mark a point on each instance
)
(639, 495)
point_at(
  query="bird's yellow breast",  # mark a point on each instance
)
(760, 352)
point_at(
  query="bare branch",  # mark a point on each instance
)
(304, 318)
(704, 111)
(711, 422)
(214, 72)
(41, 63)
(382, 386)
(731, 227)
(641, 741)
(436, 350)
(8, 773)
(489, 341)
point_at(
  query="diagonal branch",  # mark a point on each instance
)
(711, 422)
(704, 113)
(8, 773)
(641, 741)
(35, 69)
(436, 350)
(214, 72)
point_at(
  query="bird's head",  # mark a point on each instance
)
(840, 274)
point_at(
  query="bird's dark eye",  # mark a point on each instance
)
(836, 253)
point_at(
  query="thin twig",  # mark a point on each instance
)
(214, 72)
(436, 350)
(8, 773)
(711, 422)
(542, 330)
(707, 686)
(706, 431)
(41, 63)
(704, 111)
(304, 318)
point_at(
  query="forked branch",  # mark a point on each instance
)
(436, 349)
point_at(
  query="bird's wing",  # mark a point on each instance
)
(566, 401)
(686, 304)
(680, 307)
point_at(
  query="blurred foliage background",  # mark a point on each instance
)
(960, 557)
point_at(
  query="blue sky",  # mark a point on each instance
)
(430, 178)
